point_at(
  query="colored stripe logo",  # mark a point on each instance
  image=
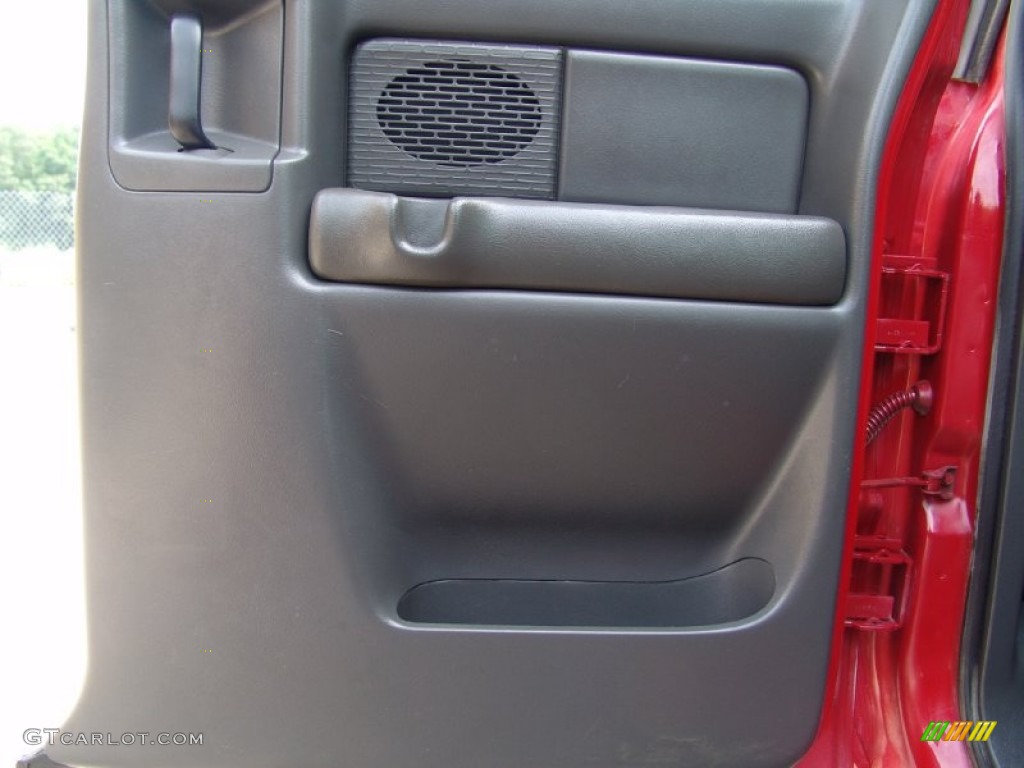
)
(959, 730)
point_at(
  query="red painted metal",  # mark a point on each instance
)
(962, 227)
(913, 335)
(911, 516)
(878, 612)
(936, 483)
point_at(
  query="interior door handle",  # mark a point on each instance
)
(376, 237)
(183, 114)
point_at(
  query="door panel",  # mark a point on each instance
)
(375, 237)
(374, 481)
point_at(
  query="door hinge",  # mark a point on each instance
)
(881, 567)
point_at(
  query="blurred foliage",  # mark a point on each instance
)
(46, 162)
(38, 172)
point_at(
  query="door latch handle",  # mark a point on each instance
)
(183, 115)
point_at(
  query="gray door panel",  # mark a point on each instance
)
(523, 512)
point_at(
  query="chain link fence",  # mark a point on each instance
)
(31, 219)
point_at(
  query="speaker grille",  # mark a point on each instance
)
(459, 112)
(454, 118)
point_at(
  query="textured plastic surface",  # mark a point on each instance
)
(271, 500)
(734, 592)
(374, 237)
(38, 760)
(185, 108)
(441, 118)
(671, 131)
(241, 96)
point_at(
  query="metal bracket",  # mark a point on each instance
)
(881, 567)
(922, 333)
(881, 571)
(932, 482)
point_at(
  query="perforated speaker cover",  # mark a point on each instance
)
(442, 119)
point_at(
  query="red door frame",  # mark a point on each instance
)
(911, 517)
